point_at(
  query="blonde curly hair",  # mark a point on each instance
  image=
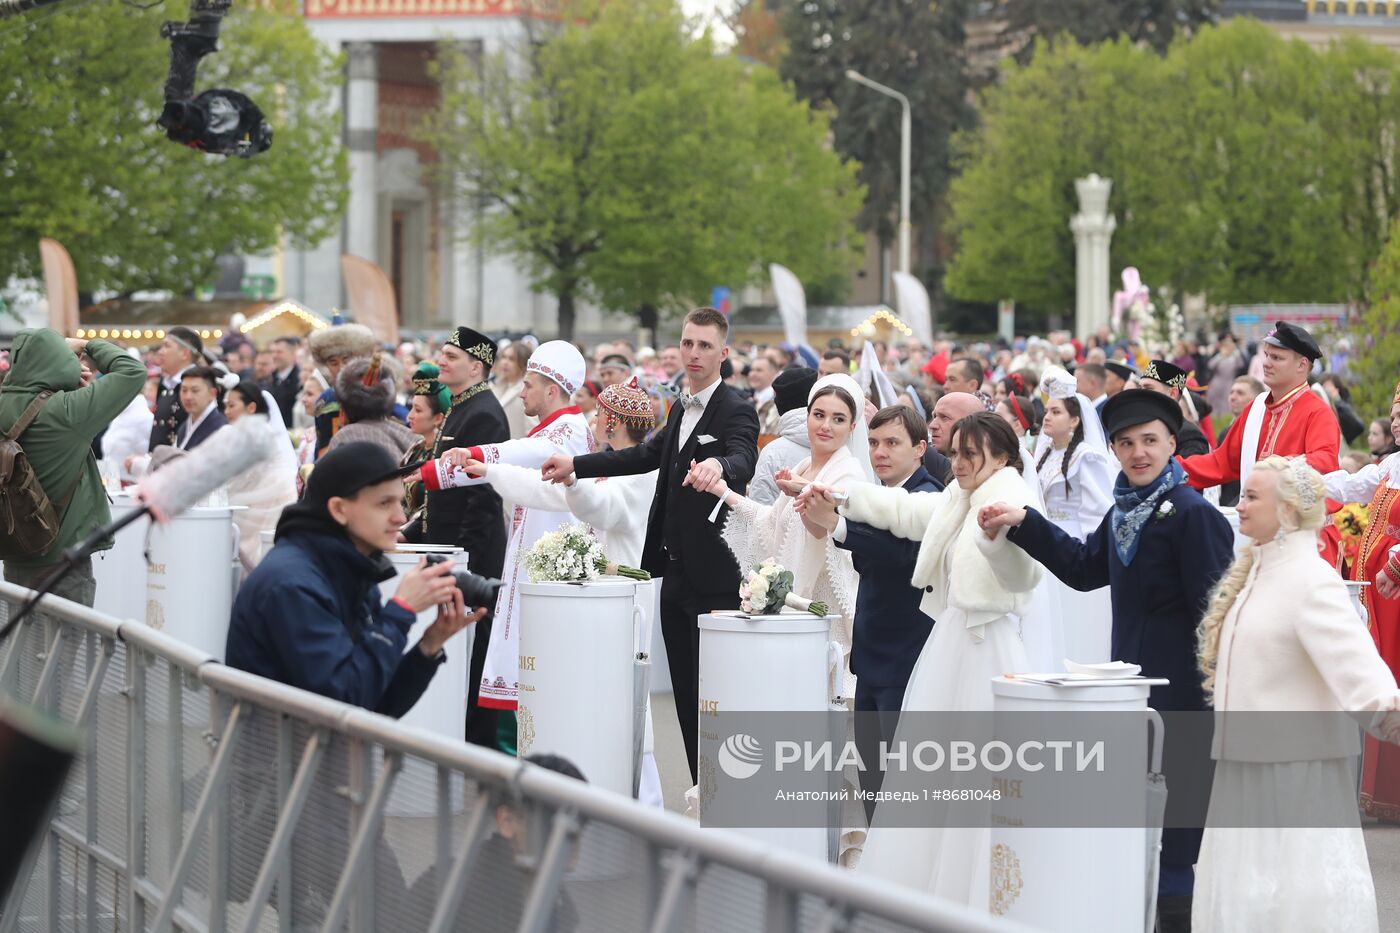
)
(1301, 496)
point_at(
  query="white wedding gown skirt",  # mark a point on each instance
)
(1261, 879)
(954, 672)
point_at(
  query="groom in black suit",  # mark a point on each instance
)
(715, 430)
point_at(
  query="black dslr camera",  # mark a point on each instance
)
(476, 590)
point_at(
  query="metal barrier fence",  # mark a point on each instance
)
(212, 800)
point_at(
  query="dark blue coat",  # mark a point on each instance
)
(206, 429)
(889, 630)
(1159, 599)
(311, 615)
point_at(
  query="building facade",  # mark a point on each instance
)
(396, 216)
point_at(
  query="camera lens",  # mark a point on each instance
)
(476, 590)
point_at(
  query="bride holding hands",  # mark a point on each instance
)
(821, 571)
(979, 591)
(841, 458)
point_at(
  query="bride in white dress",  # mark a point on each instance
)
(979, 590)
(821, 571)
(1076, 486)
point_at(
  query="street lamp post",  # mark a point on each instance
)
(904, 133)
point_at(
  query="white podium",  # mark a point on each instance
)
(774, 663)
(121, 571)
(442, 708)
(190, 578)
(578, 644)
(1086, 880)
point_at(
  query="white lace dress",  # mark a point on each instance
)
(820, 569)
(1077, 503)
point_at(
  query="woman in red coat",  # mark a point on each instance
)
(1378, 562)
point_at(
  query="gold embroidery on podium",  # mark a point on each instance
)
(524, 730)
(1006, 878)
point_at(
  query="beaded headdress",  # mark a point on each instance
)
(629, 403)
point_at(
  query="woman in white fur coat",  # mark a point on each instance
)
(1281, 635)
(979, 590)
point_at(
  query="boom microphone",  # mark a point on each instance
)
(230, 451)
(170, 491)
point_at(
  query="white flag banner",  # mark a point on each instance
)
(871, 378)
(792, 304)
(914, 306)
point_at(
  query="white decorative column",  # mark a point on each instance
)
(361, 138)
(1093, 230)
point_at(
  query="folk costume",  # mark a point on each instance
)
(1296, 424)
(470, 518)
(1377, 485)
(564, 432)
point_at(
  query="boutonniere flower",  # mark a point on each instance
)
(1166, 510)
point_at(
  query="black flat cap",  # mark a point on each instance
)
(1121, 370)
(1133, 407)
(351, 467)
(1295, 338)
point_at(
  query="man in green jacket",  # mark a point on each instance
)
(58, 443)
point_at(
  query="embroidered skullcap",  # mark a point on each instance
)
(1058, 384)
(425, 383)
(1166, 374)
(629, 403)
(560, 362)
(474, 343)
(1396, 397)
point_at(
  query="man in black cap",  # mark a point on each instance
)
(471, 517)
(1117, 377)
(1288, 420)
(310, 615)
(180, 349)
(1160, 549)
(1167, 379)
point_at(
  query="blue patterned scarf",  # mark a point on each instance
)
(1134, 505)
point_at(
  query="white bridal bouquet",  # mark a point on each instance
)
(769, 588)
(572, 554)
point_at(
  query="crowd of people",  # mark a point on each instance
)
(965, 510)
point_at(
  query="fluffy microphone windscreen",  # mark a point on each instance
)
(227, 453)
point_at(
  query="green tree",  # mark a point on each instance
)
(626, 163)
(914, 46)
(1154, 23)
(1229, 176)
(82, 161)
(1378, 359)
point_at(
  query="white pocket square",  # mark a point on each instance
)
(706, 439)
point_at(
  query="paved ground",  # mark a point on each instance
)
(1382, 841)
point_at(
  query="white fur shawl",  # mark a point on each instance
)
(985, 579)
